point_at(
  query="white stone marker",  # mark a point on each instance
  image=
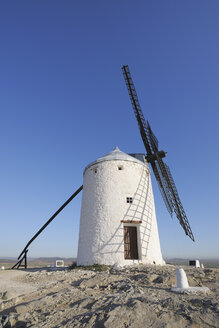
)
(197, 265)
(59, 264)
(183, 286)
(181, 278)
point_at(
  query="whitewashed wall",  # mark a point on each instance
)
(105, 188)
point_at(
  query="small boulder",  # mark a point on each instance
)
(158, 280)
(4, 322)
(21, 309)
(6, 295)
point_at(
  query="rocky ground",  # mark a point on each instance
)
(130, 297)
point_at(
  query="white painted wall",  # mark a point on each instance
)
(101, 236)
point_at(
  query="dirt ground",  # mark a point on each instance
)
(134, 297)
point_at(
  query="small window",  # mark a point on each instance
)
(95, 170)
(120, 167)
(129, 200)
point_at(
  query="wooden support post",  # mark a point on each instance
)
(25, 259)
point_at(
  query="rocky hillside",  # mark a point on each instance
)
(130, 297)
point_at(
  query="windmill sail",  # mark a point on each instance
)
(154, 157)
(163, 187)
(153, 138)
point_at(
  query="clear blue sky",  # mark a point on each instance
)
(64, 103)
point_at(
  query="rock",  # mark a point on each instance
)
(4, 322)
(159, 307)
(196, 302)
(139, 276)
(13, 322)
(2, 295)
(7, 295)
(152, 277)
(117, 266)
(21, 309)
(158, 280)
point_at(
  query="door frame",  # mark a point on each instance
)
(138, 239)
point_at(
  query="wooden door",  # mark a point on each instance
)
(130, 243)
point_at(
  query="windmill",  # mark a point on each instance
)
(118, 219)
(155, 158)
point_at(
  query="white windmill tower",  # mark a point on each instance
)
(118, 220)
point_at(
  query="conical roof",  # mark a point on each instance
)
(116, 154)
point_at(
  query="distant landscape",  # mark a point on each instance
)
(208, 263)
(36, 262)
(49, 261)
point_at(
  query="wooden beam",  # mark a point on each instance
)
(131, 221)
